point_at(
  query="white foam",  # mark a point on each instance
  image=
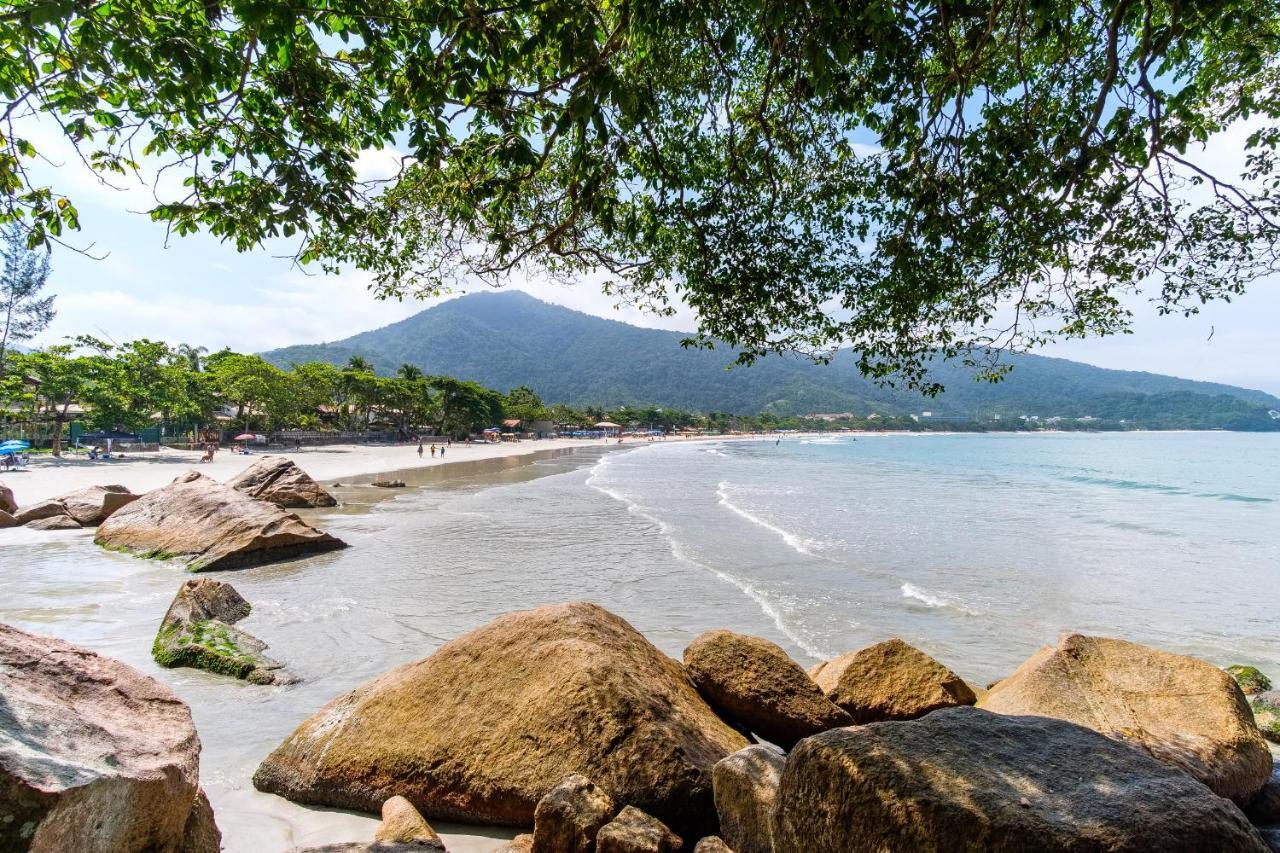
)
(677, 551)
(793, 541)
(935, 600)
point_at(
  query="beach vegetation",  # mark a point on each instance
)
(905, 180)
(24, 272)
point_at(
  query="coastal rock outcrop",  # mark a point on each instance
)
(746, 794)
(1183, 711)
(1250, 678)
(7, 519)
(279, 480)
(211, 526)
(7, 503)
(54, 522)
(757, 684)
(198, 631)
(964, 779)
(890, 681)
(569, 817)
(94, 756)
(41, 509)
(486, 726)
(633, 831)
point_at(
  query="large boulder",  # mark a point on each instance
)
(890, 681)
(278, 480)
(197, 631)
(211, 526)
(962, 779)
(712, 844)
(746, 793)
(633, 831)
(94, 505)
(569, 817)
(94, 756)
(481, 730)
(1180, 709)
(757, 685)
(7, 503)
(7, 519)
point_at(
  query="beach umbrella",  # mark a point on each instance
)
(14, 445)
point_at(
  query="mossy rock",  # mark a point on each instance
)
(1266, 713)
(216, 647)
(1250, 678)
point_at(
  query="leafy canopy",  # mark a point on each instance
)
(905, 178)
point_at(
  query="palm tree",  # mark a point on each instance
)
(410, 372)
(359, 364)
(193, 355)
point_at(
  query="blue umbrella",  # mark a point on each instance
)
(14, 446)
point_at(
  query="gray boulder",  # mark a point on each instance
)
(746, 793)
(962, 779)
(95, 757)
(278, 480)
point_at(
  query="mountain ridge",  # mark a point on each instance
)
(509, 338)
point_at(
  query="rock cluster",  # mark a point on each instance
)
(94, 756)
(82, 508)
(278, 480)
(198, 631)
(210, 526)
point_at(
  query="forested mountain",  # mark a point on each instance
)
(507, 339)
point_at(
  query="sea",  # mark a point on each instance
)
(977, 549)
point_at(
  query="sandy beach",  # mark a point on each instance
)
(46, 477)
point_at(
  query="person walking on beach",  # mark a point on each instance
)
(433, 450)
(419, 449)
(442, 451)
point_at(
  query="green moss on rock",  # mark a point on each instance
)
(1266, 713)
(206, 644)
(1250, 678)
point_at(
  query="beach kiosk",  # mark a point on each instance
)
(609, 427)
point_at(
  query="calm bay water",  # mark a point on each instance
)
(977, 549)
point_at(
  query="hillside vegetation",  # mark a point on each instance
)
(504, 340)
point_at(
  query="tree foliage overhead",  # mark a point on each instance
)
(904, 178)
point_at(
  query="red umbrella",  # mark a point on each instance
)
(245, 436)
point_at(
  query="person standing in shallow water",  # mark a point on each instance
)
(419, 449)
(433, 451)
(442, 451)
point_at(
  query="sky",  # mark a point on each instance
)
(199, 291)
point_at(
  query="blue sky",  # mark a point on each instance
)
(196, 290)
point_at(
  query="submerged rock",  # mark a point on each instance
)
(197, 631)
(1266, 714)
(485, 727)
(210, 526)
(962, 779)
(569, 817)
(890, 681)
(1182, 710)
(278, 480)
(1250, 679)
(388, 484)
(746, 793)
(759, 686)
(633, 831)
(95, 757)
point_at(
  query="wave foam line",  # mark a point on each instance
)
(929, 599)
(746, 588)
(793, 541)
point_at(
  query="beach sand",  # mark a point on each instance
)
(47, 477)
